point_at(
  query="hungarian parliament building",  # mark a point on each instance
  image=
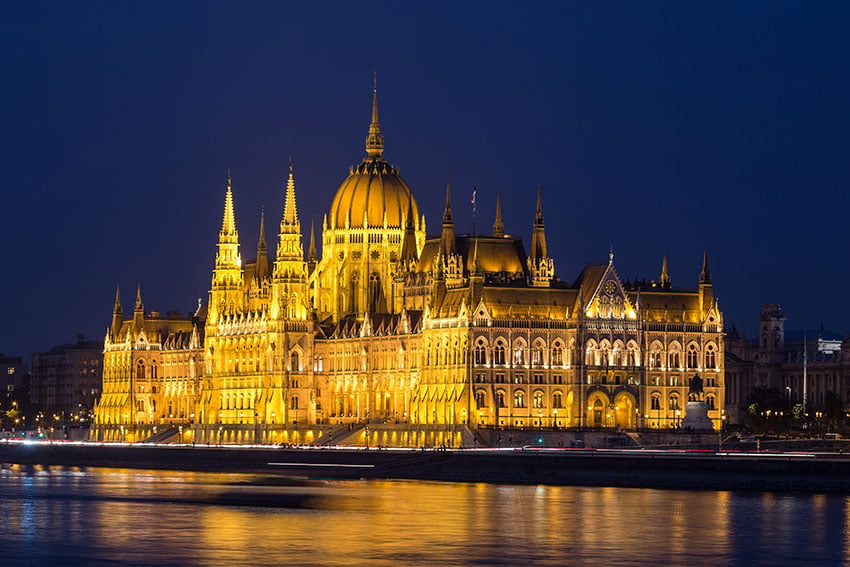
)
(406, 332)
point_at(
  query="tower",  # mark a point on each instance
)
(226, 293)
(541, 268)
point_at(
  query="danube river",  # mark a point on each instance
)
(137, 517)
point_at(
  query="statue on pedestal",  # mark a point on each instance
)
(696, 412)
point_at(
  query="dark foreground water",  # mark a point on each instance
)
(130, 517)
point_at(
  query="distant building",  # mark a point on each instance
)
(426, 336)
(13, 375)
(66, 380)
(775, 360)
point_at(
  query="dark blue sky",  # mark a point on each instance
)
(655, 127)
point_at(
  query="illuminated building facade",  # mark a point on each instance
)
(452, 331)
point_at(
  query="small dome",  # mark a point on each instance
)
(373, 188)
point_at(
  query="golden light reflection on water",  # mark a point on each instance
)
(168, 518)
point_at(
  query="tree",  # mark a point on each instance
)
(832, 410)
(767, 410)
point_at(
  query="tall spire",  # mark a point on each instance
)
(290, 213)
(498, 227)
(664, 279)
(116, 316)
(408, 242)
(262, 250)
(705, 274)
(311, 251)
(375, 141)
(116, 308)
(228, 222)
(139, 305)
(447, 245)
(538, 236)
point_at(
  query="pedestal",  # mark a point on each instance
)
(696, 417)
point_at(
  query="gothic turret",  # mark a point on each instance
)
(116, 315)
(448, 245)
(541, 268)
(375, 140)
(706, 289)
(312, 257)
(226, 294)
(498, 226)
(262, 272)
(664, 278)
(139, 310)
(290, 269)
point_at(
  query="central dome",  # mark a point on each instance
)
(373, 189)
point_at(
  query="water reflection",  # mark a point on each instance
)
(58, 517)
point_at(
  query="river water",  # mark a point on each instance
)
(134, 517)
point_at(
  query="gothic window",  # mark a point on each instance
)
(537, 355)
(604, 307)
(140, 370)
(590, 358)
(499, 353)
(656, 402)
(604, 353)
(674, 402)
(153, 370)
(557, 355)
(673, 357)
(618, 353)
(374, 292)
(519, 354)
(618, 307)
(480, 353)
(557, 400)
(480, 399)
(293, 403)
(519, 399)
(710, 402)
(631, 354)
(294, 364)
(693, 356)
(538, 400)
(500, 399)
(655, 356)
(710, 358)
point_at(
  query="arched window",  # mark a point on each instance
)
(294, 364)
(693, 356)
(557, 355)
(590, 357)
(618, 307)
(480, 353)
(374, 291)
(557, 400)
(140, 370)
(631, 354)
(293, 403)
(480, 399)
(538, 400)
(519, 354)
(656, 402)
(710, 358)
(673, 357)
(655, 356)
(537, 354)
(499, 354)
(519, 399)
(500, 399)
(674, 402)
(153, 370)
(710, 402)
(618, 353)
(604, 307)
(604, 353)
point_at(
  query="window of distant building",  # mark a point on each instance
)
(480, 352)
(557, 355)
(557, 400)
(710, 358)
(499, 353)
(674, 402)
(538, 400)
(500, 399)
(656, 402)
(710, 402)
(693, 356)
(519, 399)
(480, 397)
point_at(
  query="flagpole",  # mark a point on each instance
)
(805, 364)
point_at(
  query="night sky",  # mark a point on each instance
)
(653, 127)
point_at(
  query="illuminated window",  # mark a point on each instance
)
(656, 402)
(557, 400)
(294, 363)
(293, 403)
(710, 358)
(500, 399)
(10, 370)
(537, 355)
(557, 355)
(693, 356)
(674, 402)
(674, 357)
(519, 354)
(710, 401)
(480, 399)
(480, 353)
(519, 399)
(499, 354)
(538, 400)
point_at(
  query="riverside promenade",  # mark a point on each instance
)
(646, 468)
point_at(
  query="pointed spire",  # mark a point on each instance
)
(290, 212)
(408, 243)
(228, 222)
(375, 141)
(664, 279)
(139, 305)
(538, 235)
(705, 274)
(498, 227)
(262, 250)
(117, 306)
(611, 254)
(311, 251)
(448, 236)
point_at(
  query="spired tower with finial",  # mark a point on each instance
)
(363, 234)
